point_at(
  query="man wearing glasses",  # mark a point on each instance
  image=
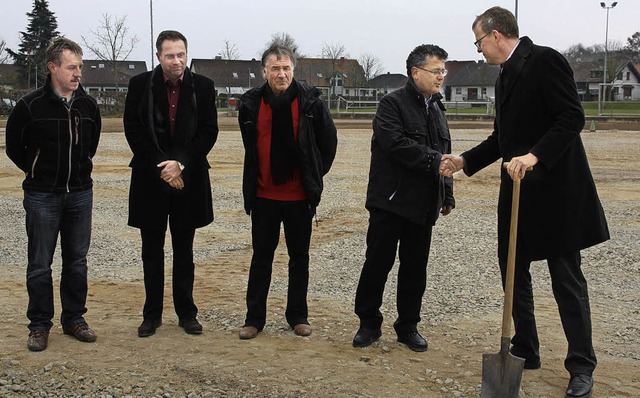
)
(405, 196)
(538, 122)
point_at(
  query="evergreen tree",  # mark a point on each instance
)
(29, 58)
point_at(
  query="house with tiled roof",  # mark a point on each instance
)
(472, 81)
(589, 78)
(231, 77)
(387, 83)
(102, 76)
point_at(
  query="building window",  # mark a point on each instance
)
(132, 66)
(458, 90)
(628, 75)
(597, 74)
(619, 77)
(235, 75)
(101, 66)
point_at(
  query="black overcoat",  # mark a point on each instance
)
(147, 129)
(538, 110)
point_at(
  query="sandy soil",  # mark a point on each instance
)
(278, 363)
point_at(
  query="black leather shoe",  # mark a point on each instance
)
(365, 337)
(413, 340)
(580, 386)
(191, 326)
(148, 327)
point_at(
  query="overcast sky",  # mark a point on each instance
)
(389, 29)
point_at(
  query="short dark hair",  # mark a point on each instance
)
(279, 51)
(172, 35)
(418, 57)
(59, 44)
(500, 19)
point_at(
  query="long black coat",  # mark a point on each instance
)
(147, 129)
(538, 110)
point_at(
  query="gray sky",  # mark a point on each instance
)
(389, 29)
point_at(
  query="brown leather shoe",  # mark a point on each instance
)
(38, 340)
(248, 332)
(302, 329)
(80, 331)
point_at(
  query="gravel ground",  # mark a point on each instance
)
(463, 285)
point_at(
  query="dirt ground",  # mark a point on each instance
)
(278, 363)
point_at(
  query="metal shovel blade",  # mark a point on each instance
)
(501, 374)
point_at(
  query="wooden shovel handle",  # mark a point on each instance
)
(511, 257)
(511, 261)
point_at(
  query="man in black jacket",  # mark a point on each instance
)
(52, 136)
(405, 196)
(538, 123)
(171, 124)
(290, 143)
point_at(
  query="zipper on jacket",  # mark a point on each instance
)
(70, 145)
(33, 165)
(77, 120)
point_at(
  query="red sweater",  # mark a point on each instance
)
(291, 190)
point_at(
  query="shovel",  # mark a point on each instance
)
(502, 372)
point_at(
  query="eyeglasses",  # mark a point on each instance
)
(437, 72)
(478, 43)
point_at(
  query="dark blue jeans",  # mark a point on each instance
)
(47, 215)
(266, 218)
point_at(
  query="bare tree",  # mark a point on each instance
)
(229, 50)
(286, 40)
(4, 55)
(334, 50)
(371, 64)
(112, 42)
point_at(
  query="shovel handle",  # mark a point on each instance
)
(511, 256)
(511, 261)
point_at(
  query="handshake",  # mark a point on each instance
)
(450, 164)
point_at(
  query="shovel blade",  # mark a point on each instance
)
(501, 375)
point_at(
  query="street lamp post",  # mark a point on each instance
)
(606, 41)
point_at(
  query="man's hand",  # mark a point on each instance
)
(170, 170)
(450, 164)
(446, 209)
(171, 173)
(519, 165)
(176, 183)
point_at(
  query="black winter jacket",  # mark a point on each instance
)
(51, 143)
(317, 138)
(407, 146)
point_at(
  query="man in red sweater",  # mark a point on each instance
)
(290, 142)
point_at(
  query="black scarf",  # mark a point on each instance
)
(285, 152)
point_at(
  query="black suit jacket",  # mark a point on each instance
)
(147, 129)
(538, 110)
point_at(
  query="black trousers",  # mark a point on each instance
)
(385, 231)
(183, 272)
(266, 217)
(570, 291)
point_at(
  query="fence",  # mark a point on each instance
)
(353, 107)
